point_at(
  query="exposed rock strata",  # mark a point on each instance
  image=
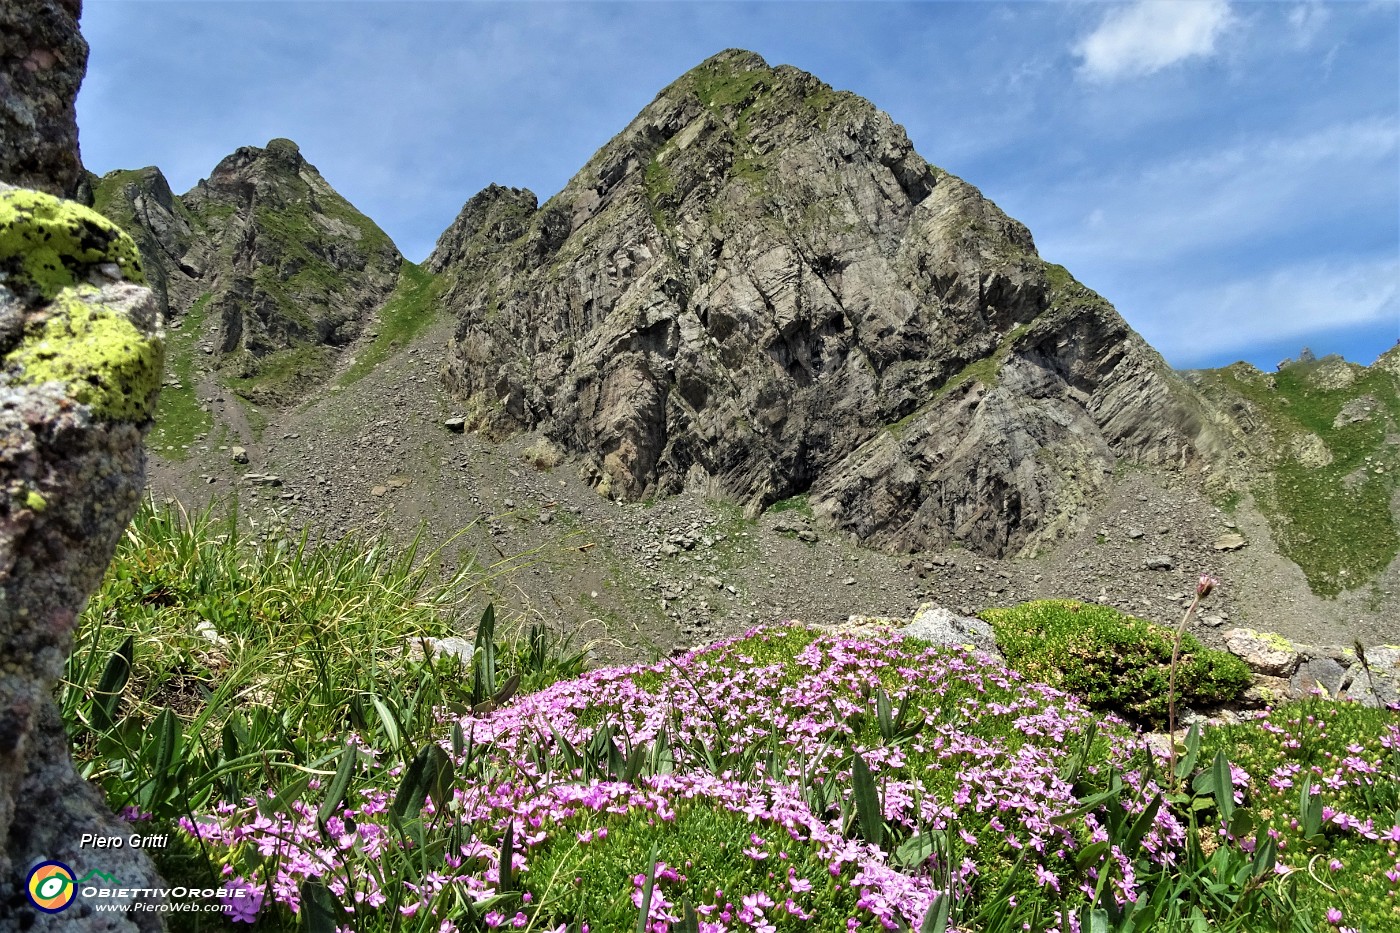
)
(143, 205)
(42, 61)
(80, 364)
(282, 271)
(760, 289)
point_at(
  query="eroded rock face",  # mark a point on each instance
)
(142, 204)
(759, 289)
(42, 62)
(281, 270)
(80, 365)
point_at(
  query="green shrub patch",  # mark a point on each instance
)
(1114, 661)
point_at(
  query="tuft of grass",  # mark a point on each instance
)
(283, 375)
(257, 652)
(798, 504)
(1114, 661)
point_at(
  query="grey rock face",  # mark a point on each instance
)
(71, 475)
(42, 62)
(141, 203)
(942, 626)
(287, 271)
(1375, 680)
(759, 289)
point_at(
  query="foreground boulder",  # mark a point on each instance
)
(81, 356)
(42, 60)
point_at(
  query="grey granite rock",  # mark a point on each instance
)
(42, 61)
(80, 366)
(942, 626)
(1374, 679)
(759, 289)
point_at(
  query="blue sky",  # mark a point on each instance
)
(1226, 173)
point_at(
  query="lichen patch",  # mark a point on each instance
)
(101, 358)
(48, 244)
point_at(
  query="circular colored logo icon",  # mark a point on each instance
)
(50, 887)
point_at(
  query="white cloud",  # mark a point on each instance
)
(1225, 197)
(1151, 35)
(1307, 21)
(1292, 302)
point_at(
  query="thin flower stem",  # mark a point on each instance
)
(1203, 587)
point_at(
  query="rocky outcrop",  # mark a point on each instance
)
(42, 61)
(760, 289)
(80, 365)
(141, 203)
(282, 271)
(1285, 670)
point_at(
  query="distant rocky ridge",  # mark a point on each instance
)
(759, 291)
(759, 288)
(285, 271)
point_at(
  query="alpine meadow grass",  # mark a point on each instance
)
(257, 698)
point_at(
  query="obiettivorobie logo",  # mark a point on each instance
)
(51, 886)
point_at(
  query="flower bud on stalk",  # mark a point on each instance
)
(1204, 584)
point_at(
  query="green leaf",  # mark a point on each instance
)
(110, 686)
(936, 918)
(1091, 855)
(507, 867)
(1265, 853)
(884, 715)
(484, 657)
(1242, 824)
(1141, 825)
(419, 778)
(335, 793)
(166, 729)
(868, 813)
(1224, 790)
(690, 920)
(281, 801)
(915, 850)
(320, 908)
(389, 719)
(507, 691)
(459, 740)
(1309, 809)
(1187, 762)
(644, 912)
(1088, 805)
(572, 759)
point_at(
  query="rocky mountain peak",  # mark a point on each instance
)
(141, 202)
(493, 218)
(759, 289)
(266, 256)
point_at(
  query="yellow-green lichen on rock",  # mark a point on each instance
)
(104, 361)
(48, 244)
